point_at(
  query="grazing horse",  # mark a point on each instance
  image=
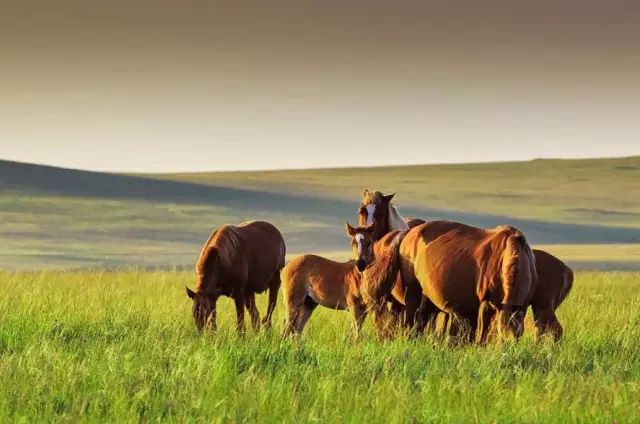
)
(238, 262)
(555, 279)
(467, 272)
(311, 280)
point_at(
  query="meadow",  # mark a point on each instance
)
(95, 324)
(121, 346)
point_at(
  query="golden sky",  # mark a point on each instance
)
(202, 85)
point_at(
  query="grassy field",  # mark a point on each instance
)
(60, 218)
(121, 346)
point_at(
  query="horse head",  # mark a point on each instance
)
(361, 244)
(203, 308)
(376, 206)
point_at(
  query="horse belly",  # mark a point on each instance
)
(327, 295)
(450, 285)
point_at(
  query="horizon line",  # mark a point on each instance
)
(318, 168)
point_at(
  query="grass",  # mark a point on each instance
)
(121, 346)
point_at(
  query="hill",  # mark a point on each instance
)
(60, 217)
(585, 191)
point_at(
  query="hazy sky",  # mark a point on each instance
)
(165, 85)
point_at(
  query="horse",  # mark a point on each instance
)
(238, 262)
(555, 278)
(311, 280)
(468, 272)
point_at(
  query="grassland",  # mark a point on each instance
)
(105, 344)
(59, 218)
(121, 346)
(591, 191)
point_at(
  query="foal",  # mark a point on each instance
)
(311, 280)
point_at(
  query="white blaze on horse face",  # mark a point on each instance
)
(359, 239)
(371, 208)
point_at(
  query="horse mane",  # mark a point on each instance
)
(218, 252)
(396, 221)
(380, 276)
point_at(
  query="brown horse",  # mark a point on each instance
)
(311, 280)
(238, 262)
(555, 279)
(467, 272)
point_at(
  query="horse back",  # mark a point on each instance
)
(455, 261)
(251, 253)
(414, 222)
(326, 281)
(440, 255)
(263, 249)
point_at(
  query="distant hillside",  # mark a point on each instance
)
(585, 191)
(59, 217)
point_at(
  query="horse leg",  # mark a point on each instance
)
(302, 319)
(427, 314)
(412, 299)
(485, 315)
(359, 313)
(546, 322)
(250, 303)
(273, 300)
(239, 301)
(442, 323)
(294, 313)
(396, 311)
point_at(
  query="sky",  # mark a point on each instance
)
(165, 85)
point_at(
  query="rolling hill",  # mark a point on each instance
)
(61, 217)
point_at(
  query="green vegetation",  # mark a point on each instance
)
(103, 344)
(121, 346)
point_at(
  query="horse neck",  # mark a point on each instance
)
(208, 270)
(353, 276)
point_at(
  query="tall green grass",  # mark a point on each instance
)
(121, 346)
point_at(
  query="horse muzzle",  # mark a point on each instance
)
(361, 265)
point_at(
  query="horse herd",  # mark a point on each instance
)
(456, 280)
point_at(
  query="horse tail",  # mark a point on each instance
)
(516, 258)
(518, 263)
(566, 287)
(287, 279)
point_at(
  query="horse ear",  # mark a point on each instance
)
(349, 229)
(190, 293)
(387, 198)
(365, 192)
